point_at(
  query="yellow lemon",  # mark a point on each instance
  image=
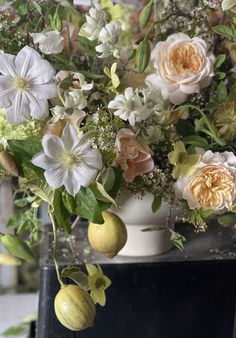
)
(74, 308)
(110, 237)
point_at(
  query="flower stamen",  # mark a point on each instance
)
(23, 83)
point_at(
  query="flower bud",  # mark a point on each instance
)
(8, 163)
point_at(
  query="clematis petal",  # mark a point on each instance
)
(83, 145)
(43, 161)
(43, 73)
(69, 137)
(71, 182)
(55, 177)
(84, 174)
(93, 159)
(38, 107)
(53, 147)
(44, 91)
(7, 96)
(18, 112)
(25, 59)
(7, 66)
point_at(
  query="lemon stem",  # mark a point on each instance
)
(55, 248)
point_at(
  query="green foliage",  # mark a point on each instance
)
(61, 212)
(17, 247)
(226, 31)
(195, 141)
(87, 206)
(228, 219)
(145, 14)
(219, 60)
(178, 240)
(143, 55)
(16, 331)
(156, 203)
(77, 275)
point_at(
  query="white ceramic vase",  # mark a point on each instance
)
(137, 216)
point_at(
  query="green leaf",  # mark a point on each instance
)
(91, 75)
(178, 240)
(219, 76)
(145, 14)
(61, 213)
(78, 276)
(41, 189)
(69, 202)
(156, 203)
(37, 6)
(21, 7)
(16, 247)
(195, 141)
(16, 330)
(24, 150)
(228, 219)
(101, 193)
(143, 55)
(87, 206)
(226, 31)
(219, 60)
(155, 228)
(221, 92)
(108, 178)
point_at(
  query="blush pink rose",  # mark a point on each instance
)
(133, 157)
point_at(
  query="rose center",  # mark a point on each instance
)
(185, 57)
(23, 83)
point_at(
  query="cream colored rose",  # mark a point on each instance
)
(183, 66)
(212, 185)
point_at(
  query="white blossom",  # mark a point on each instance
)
(84, 85)
(26, 84)
(58, 113)
(49, 42)
(109, 38)
(153, 101)
(75, 99)
(96, 20)
(127, 106)
(68, 161)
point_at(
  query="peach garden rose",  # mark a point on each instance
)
(212, 185)
(183, 66)
(133, 157)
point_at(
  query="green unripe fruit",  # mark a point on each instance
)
(74, 308)
(110, 237)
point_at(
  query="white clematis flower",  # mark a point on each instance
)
(109, 36)
(26, 84)
(68, 161)
(96, 20)
(128, 106)
(49, 42)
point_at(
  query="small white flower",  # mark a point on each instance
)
(109, 36)
(49, 42)
(128, 106)
(83, 84)
(75, 99)
(26, 84)
(96, 20)
(58, 113)
(68, 161)
(153, 101)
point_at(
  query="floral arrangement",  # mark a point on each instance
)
(111, 97)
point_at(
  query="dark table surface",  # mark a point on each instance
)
(189, 294)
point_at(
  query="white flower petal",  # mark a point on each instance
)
(93, 159)
(72, 182)
(55, 177)
(43, 161)
(44, 91)
(26, 59)
(41, 72)
(53, 147)
(85, 175)
(7, 66)
(18, 112)
(38, 108)
(70, 137)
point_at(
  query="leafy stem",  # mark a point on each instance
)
(50, 213)
(211, 129)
